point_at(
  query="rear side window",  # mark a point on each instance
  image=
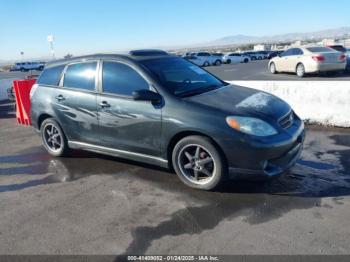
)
(121, 79)
(289, 52)
(51, 76)
(81, 76)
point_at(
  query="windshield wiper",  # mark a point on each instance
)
(197, 91)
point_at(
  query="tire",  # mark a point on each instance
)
(228, 61)
(259, 58)
(186, 160)
(206, 64)
(217, 63)
(273, 68)
(53, 138)
(246, 60)
(41, 68)
(22, 70)
(300, 70)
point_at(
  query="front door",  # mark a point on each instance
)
(126, 124)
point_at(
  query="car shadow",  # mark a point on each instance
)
(307, 179)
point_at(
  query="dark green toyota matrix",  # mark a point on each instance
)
(160, 109)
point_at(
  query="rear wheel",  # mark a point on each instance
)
(300, 70)
(217, 62)
(246, 60)
(198, 163)
(206, 63)
(53, 138)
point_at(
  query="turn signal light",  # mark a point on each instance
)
(233, 123)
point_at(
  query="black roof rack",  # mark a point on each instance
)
(147, 52)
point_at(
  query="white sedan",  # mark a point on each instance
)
(235, 58)
(308, 60)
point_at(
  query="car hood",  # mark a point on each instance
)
(239, 100)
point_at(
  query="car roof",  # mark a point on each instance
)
(134, 55)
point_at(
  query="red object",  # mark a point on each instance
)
(318, 58)
(22, 90)
(342, 57)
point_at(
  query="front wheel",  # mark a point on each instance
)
(273, 68)
(300, 70)
(206, 64)
(53, 138)
(198, 163)
(228, 61)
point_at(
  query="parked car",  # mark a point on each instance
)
(163, 110)
(342, 49)
(255, 55)
(205, 59)
(308, 60)
(274, 54)
(26, 66)
(194, 59)
(219, 58)
(236, 58)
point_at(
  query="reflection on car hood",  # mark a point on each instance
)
(239, 100)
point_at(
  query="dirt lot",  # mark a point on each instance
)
(93, 204)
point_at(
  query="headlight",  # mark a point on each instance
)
(251, 126)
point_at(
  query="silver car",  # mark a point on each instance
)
(306, 60)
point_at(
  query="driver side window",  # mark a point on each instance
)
(121, 79)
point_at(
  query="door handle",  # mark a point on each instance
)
(60, 98)
(104, 104)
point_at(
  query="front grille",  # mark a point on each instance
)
(287, 120)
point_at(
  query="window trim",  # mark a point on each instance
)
(101, 91)
(59, 79)
(94, 91)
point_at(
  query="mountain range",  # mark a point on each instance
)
(246, 39)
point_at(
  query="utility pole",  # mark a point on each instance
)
(51, 39)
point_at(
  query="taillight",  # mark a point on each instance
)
(318, 58)
(342, 57)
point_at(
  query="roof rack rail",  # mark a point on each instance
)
(147, 52)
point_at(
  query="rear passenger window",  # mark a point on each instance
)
(51, 76)
(121, 79)
(81, 76)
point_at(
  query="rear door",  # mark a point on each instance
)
(126, 124)
(75, 102)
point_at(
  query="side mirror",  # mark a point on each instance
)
(146, 95)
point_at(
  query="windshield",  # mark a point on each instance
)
(182, 78)
(320, 49)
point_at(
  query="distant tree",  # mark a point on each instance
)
(68, 56)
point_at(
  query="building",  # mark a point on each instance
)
(328, 41)
(297, 43)
(261, 47)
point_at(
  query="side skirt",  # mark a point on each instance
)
(119, 153)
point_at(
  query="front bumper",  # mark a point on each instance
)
(274, 167)
(266, 158)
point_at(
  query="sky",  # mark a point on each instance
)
(90, 26)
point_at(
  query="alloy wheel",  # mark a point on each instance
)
(52, 137)
(196, 164)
